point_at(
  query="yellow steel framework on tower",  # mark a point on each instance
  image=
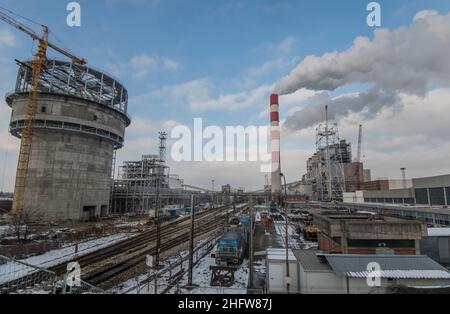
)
(38, 66)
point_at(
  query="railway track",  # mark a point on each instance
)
(105, 274)
(103, 265)
(129, 245)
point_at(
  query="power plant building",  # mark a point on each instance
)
(80, 122)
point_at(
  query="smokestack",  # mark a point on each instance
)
(275, 146)
(403, 170)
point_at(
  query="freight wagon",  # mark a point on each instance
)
(232, 247)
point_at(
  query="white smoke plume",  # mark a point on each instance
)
(405, 60)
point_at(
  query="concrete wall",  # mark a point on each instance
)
(431, 182)
(69, 171)
(399, 184)
(276, 273)
(329, 283)
(315, 282)
(73, 110)
(437, 248)
(398, 193)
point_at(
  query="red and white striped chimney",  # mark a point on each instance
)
(275, 145)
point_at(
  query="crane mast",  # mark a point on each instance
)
(38, 67)
(358, 161)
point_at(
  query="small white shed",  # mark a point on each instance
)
(276, 281)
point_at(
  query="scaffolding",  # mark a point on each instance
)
(331, 154)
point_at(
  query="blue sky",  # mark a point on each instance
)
(205, 49)
(215, 40)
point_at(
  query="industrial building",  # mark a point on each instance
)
(348, 274)
(80, 121)
(331, 171)
(144, 184)
(317, 169)
(437, 245)
(427, 191)
(350, 175)
(364, 233)
(385, 184)
(432, 216)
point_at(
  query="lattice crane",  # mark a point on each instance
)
(358, 161)
(38, 66)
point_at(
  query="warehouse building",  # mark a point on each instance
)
(364, 233)
(348, 274)
(427, 191)
(437, 245)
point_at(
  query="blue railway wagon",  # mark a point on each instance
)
(231, 247)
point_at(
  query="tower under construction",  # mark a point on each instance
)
(81, 116)
(331, 154)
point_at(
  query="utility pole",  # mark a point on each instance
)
(251, 241)
(191, 243)
(212, 182)
(234, 203)
(158, 223)
(286, 226)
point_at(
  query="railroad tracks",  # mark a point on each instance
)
(102, 266)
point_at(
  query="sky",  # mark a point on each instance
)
(220, 61)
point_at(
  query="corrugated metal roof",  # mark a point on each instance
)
(279, 254)
(391, 266)
(310, 262)
(397, 274)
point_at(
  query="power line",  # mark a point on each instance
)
(21, 16)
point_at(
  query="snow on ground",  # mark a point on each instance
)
(201, 277)
(127, 224)
(296, 241)
(4, 230)
(280, 227)
(13, 270)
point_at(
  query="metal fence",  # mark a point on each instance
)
(83, 288)
(17, 277)
(20, 277)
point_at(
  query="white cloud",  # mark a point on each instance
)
(142, 65)
(281, 61)
(391, 61)
(424, 14)
(8, 39)
(234, 102)
(170, 64)
(270, 66)
(197, 94)
(282, 47)
(286, 45)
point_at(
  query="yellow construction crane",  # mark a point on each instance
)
(38, 67)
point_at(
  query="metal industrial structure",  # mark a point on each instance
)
(331, 154)
(70, 118)
(358, 161)
(140, 182)
(145, 186)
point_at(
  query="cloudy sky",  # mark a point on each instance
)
(220, 60)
